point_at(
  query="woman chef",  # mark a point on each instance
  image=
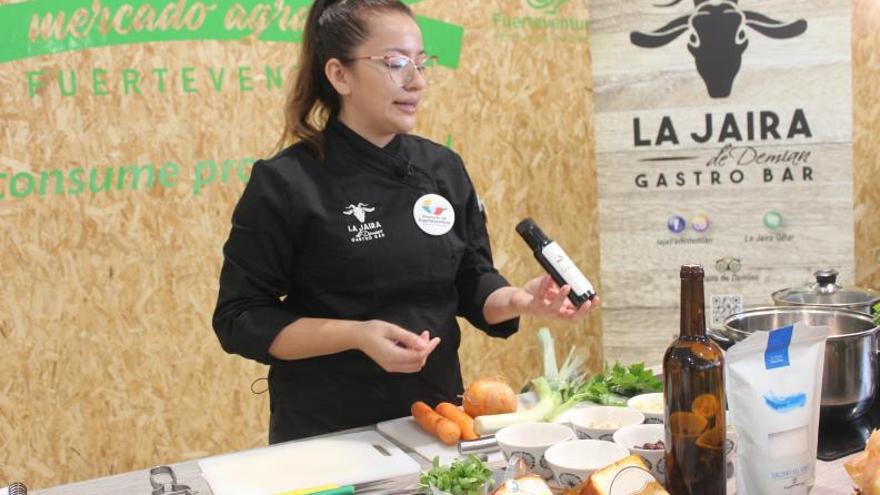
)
(352, 252)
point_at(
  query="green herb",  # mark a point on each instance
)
(633, 380)
(613, 386)
(462, 477)
(597, 390)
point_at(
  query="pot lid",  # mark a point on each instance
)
(825, 291)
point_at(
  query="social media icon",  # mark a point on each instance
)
(728, 264)
(700, 223)
(676, 224)
(735, 265)
(772, 220)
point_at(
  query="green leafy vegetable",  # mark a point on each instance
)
(633, 380)
(611, 387)
(560, 388)
(597, 390)
(462, 477)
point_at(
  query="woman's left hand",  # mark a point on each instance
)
(542, 297)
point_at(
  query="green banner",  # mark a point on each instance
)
(42, 27)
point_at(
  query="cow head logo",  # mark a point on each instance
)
(717, 38)
(359, 211)
(548, 6)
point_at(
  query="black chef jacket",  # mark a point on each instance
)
(293, 252)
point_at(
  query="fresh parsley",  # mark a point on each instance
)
(612, 386)
(631, 381)
(462, 477)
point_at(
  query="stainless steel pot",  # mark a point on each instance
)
(850, 376)
(826, 292)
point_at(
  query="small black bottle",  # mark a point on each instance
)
(554, 260)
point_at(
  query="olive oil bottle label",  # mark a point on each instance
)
(567, 269)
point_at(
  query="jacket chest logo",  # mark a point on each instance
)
(363, 231)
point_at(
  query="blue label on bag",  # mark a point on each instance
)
(786, 403)
(776, 354)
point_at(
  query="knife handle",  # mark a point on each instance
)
(323, 489)
(339, 490)
(481, 445)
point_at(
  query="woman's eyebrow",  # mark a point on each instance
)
(402, 50)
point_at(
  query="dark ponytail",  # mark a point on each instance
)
(333, 29)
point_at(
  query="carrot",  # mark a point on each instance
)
(425, 416)
(447, 431)
(461, 418)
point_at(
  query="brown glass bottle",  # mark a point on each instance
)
(693, 389)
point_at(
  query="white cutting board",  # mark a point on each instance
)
(339, 460)
(409, 434)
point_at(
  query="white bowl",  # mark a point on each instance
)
(530, 441)
(572, 462)
(633, 437)
(730, 442)
(600, 422)
(565, 416)
(647, 404)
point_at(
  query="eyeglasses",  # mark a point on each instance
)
(402, 69)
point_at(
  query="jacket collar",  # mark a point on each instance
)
(343, 143)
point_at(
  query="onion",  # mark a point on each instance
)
(490, 395)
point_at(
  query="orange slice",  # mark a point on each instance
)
(706, 405)
(712, 439)
(686, 424)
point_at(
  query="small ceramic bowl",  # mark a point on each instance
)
(572, 462)
(730, 449)
(565, 416)
(600, 422)
(634, 437)
(651, 405)
(530, 440)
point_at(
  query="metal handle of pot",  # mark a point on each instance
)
(877, 344)
(826, 280)
(720, 338)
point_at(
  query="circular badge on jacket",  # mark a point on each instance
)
(434, 214)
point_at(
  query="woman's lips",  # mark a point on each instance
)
(408, 107)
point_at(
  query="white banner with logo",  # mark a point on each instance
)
(723, 137)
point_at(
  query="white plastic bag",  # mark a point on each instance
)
(774, 391)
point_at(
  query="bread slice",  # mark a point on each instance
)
(599, 483)
(653, 488)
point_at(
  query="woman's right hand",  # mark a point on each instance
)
(395, 349)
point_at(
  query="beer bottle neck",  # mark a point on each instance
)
(693, 318)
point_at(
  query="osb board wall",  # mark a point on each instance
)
(109, 361)
(866, 143)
